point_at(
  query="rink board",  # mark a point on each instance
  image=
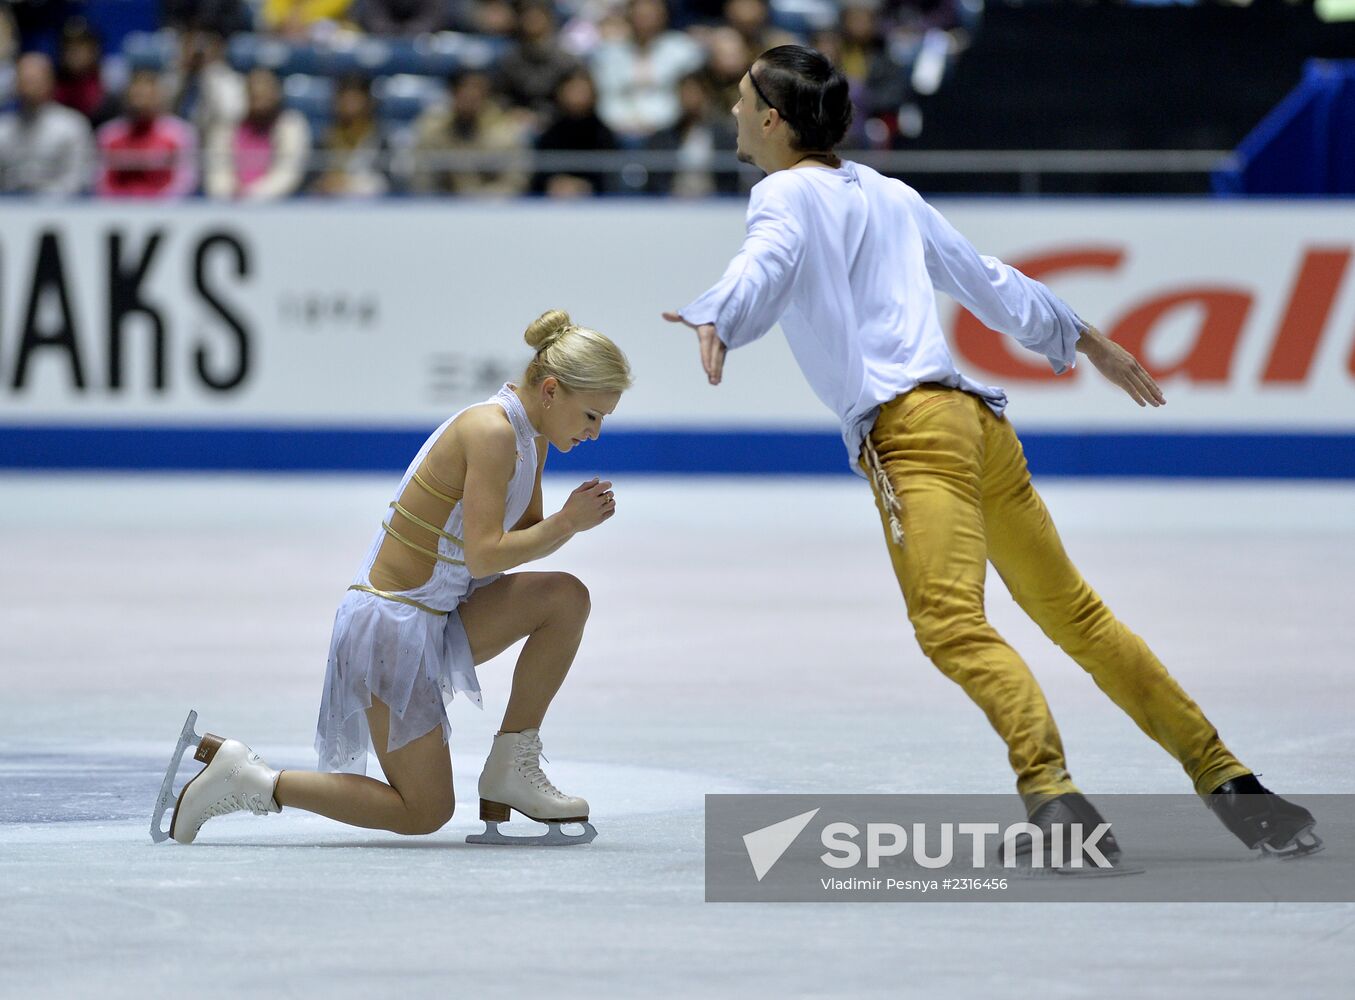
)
(319, 337)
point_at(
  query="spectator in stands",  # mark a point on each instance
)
(355, 148)
(752, 19)
(146, 153)
(828, 43)
(702, 131)
(206, 90)
(473, 123)
(727, 59)
(637, 76)
(45, 148)
(400, 18)
(299, 19)
(576, 128)
(264, 156)
(79, 74)
(483, 17)
(531, 70)
(218, 17)
(9, 45)
(879, 85)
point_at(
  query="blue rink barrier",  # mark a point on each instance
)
(694, 452)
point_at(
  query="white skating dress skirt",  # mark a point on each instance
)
(409, 649)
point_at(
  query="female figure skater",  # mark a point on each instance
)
(431, 601)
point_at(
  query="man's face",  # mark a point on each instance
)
(648, 18)
(536, 23)
(470, 95)
(351, 105)
(575, 97)
(749, 119)
(264, 93)
(33, 80)
(143, 97)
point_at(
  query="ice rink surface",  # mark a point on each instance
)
(746, 636)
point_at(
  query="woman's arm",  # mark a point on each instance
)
(535, 512)
(536, 507)
(491, 454)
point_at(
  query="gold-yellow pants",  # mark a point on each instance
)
(963, 497)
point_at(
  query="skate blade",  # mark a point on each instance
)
(1304, 844)
(553, 837)
(187, 738)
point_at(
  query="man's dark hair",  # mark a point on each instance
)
(808, 91)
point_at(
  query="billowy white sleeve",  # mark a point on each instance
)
(998, 294)
(756, 287)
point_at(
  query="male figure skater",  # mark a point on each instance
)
(849, 262)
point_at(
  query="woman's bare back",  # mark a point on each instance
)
(409, 553)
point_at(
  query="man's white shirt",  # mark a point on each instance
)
(849, 262)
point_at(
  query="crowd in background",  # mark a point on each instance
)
(572, 76)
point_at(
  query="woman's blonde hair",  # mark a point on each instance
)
(582, 360)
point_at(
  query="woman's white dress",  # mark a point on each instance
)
(412, 656)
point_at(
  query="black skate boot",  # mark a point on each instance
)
(1065, 811)
(1264, 821)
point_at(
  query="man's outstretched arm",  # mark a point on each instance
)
(1025, 309)
(755, 289)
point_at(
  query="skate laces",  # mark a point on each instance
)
(526, 754)
(237, 802)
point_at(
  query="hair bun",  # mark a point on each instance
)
(547, 327)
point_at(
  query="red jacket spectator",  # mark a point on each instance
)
(146, 153)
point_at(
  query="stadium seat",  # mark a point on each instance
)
(155, 50)
(402, 98)
(803, 17)
(313, 96)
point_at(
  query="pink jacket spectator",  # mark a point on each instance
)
(151, 159)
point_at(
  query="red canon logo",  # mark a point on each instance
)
(1225, 309)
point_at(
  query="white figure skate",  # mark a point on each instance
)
(235, 779)
(512, 780)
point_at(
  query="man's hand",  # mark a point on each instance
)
(712, 348)
(1120, 367)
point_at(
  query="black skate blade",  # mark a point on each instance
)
(1305, 844)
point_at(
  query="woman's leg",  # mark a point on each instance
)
(419, 798)
(551, 610)
(930, 445)
(1026, 551)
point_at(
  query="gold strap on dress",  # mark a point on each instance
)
(435, 491)
(396, 597)
(398, 506)
(419, 548)
(888, 499)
